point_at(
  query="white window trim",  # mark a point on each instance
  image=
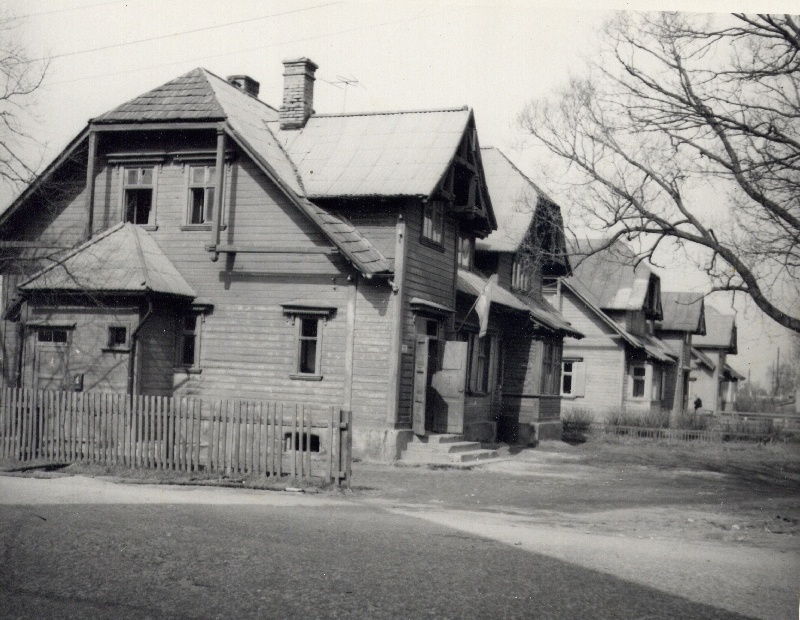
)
(578, 374)
(152, 223)
(293, 311)
(189, 163)
(647, 381)
(437, 207)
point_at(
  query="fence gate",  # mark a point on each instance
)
(178, 433)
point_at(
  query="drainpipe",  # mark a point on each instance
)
(134, 335)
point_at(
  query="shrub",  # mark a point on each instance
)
(692, 421)
(576, 425)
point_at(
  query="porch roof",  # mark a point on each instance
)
(123, 259)
(540, 310)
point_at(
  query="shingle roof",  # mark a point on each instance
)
(609, 278)
(515, 199)
(473, 284)
(123, 259)
(683, 312)
(376, 154)
(720, 331)
(186, 98)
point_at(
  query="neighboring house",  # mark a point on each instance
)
(615, 302)
(196, 241)
(527, 246)
(683, 318)
(713, 380)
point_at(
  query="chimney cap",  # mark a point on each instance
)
(302, 60)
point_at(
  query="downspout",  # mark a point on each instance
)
(134, 342)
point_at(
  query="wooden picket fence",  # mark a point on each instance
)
(177, 433)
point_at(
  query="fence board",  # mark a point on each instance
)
(186, 433)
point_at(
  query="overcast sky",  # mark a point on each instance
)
(493, 56)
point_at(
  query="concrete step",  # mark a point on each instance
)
(434, 457)
(458, 446)
(437, 438)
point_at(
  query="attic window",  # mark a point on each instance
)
(465, 250)
(433, 222)
(139, 184)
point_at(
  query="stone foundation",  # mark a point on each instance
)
(375, 444)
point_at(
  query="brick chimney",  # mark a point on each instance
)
(245, 83)
(298, 92)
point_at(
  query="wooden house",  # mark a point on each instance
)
(683, 318)
(615, 302)
(197, 241)
(713, 379)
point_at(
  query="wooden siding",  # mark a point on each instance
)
(430, 275)
(103, 370)
(371, 380)
(377, 223)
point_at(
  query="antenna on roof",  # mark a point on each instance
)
(351, 81)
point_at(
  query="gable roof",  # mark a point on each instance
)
(652, 346)
(375, 154)
(123, 259)
(515, 199)
(683, 312)
(610, 278)
(720, 332)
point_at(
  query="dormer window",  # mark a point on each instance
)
(466, 245)
(138, 195)
(433, 222)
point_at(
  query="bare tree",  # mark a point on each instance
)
(20, 78)
(678, 108)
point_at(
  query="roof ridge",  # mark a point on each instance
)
(464, 108)
(140, 255)
(239, 90)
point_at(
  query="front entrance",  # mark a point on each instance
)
(440, 375)
(51, 359)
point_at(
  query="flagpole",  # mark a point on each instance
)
(466, 316)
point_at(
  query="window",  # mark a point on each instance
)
(572, 377)
(483, 356)
(551, 368)
(138, 188)
(201, 194)
(52, 334)
(465, 251)
(189, 341)
(433, 222)
(522, 273)
(658, 384)
(308, 349)
(638, 379)
(117, 337)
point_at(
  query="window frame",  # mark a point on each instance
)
(209, 183)
(469, 240)
(322, 314)
(522, 272)
(300, 322)
(41, 330)
(196, 334)
(577, 376)
(138, 186)
(111, 346)
(643, 378)
(432, 230)
(550, 384)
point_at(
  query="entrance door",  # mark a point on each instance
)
(51, 366)
(420, 384)
(449, 385)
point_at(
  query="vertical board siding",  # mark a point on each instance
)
(429, 275)
(183, 434)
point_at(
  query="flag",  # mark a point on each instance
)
(484, 303)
